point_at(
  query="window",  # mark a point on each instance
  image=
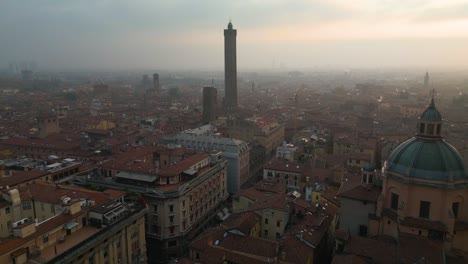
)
(171, 218)
(358, 161)
(370, 179)
(265, 233)
(91, 259)
(278, 223)
(424, 209)
(45, 238)
(364, 176)
(438, 129)
(266, 221)
(171, 208)
(394, 204)
(421, 128)
(455, 207)
(27, 206)
(430, 129)
(105, 251)
(172, 243)
(363, 230)
(7, 210)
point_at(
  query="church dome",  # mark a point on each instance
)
(427, 158)
(431, 113)
(368, 167)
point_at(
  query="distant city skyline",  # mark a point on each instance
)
(185, 35)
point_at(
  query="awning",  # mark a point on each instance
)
(70, 225)
(136, 176)
(190, 171)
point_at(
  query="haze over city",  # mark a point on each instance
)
(124, 35)
(234, 132)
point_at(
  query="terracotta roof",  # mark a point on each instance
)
(18, 177)
(384, 249)
(217, 246)
(424, 223)
(183, 164)
(416, 248)
(314, 222)
(50, 193)
(297, 251)
(270, 186)
(316, 174)
(379, 251)
(47, 143)
(283, 165)
(263, 199)
(362, 193)
(242, 222)
(114, 194)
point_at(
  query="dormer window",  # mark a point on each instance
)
(439, 126)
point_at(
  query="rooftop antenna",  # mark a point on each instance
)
(212, 82)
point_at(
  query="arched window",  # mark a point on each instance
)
(430, 129)
(421, 128)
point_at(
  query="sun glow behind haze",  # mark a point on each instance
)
(188, 34)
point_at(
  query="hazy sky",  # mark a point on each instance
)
(176, 34)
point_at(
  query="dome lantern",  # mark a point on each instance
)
(430, 122)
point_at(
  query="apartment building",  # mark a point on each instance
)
(184, 190)
(44, 223)
(285, 172)
(268, 132)
(235, 152)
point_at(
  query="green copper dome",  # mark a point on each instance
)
(419, 158)
(368, 167)
(431, 113)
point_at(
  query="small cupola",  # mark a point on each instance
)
(430, 122)
(368, 174)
